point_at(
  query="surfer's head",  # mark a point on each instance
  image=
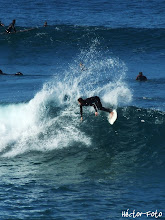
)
(14, 21)
(80, 100)
(140, 73)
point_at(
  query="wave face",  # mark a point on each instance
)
(147, 39)
(137, 137)
(54, 47)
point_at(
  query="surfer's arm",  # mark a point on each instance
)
(81, 112)
(94, 106)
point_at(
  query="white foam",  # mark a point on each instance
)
(26, 127)
(117, 95)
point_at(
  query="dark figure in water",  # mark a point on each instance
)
(1, 24)
(141, 77)
(45, 24)
(82, 67)
(92, 101)
(18, 74)
(11, 27)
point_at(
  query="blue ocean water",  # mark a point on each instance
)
(52, 165)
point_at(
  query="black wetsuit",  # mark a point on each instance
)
(141, 78)
(95, 102)
(10, 28)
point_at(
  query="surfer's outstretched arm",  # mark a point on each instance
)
(81, 112)
(94, 106)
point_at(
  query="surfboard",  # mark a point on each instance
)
(19, 31)
(112, 117)
(25, 30)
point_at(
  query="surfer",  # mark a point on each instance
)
(11, 27)
(18, 74)
(95, 102)
(82, 67)
(141, 77)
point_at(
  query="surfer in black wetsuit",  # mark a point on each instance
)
(141, 77)
(11, 27)
(92, 101)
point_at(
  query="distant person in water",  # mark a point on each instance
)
(1, 24)
(11, 27)
(18, 74)
(82, 67)
(92, 101)
(141, 77)
(45, 24)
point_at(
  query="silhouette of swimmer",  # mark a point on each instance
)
(11, 27)
(16, 74)
(141, 77)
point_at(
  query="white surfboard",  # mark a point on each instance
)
(112, 117)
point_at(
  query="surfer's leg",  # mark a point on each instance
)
(105, 109)
(97, 102)
(99, 105)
